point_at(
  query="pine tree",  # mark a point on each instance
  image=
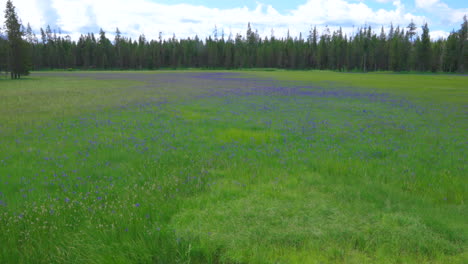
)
(118, 49)
(450, 61)
(424, 50)
(411, 30)
(18, 56)
(252, 40)
(30, 36)
(104, 51)
(437, 55)
(313, 42)
(323, 47)
(382, 53)
(395, 58)
(31, 40)
(463, 46)
(3, 52)
(142, 56)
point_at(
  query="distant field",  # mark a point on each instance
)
(233, 167)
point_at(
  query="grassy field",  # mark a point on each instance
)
(233, 167)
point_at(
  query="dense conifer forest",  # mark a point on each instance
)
(397, 49)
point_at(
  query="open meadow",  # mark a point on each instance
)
(233, 167)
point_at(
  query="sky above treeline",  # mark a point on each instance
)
(187, 18)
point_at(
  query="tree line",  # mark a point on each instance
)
(397, 49)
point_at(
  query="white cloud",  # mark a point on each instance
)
(343, 12)
(438, 34)
(425, 3)
(148, 17)
(447, 14)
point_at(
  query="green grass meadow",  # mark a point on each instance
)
(233, 167)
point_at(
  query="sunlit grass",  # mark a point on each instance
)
(439, 88)
(201, 167)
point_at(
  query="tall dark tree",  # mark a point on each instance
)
(382, 51)
(450, 57)
(3, 52)
(424, 50)
(105, 54)
(463, 46)
(313, 42)
(323, 47)
(411, 32)
(3, 57)
(19, 61)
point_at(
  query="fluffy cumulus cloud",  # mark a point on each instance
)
(341, 12)
(149, 17)
(446, 14)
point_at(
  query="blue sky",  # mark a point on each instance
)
(285, 6)
(187, 18)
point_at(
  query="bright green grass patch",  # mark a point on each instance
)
(295, 217)
(246, 136)
(192, 115)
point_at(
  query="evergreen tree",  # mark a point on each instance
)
(437, 55)
(424, 50)
(382, 51)
(396, 57)
(313, 38)
(30, 36)
(252, 39)
(323, 47)
(3, 52)
(411, 32)
(18, 56)
(104, 51)
(463, 46)
(118, 49)
(450, 61)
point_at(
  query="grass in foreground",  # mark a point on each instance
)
(233, 168)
